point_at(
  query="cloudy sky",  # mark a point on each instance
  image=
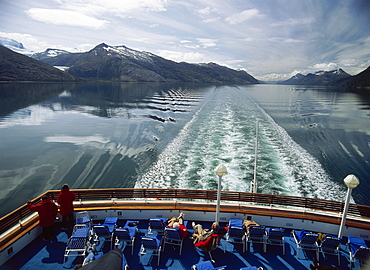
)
(270, 39)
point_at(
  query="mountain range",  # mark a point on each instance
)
(317, 78)
(18, 67)
(336, 77)
(121, 63)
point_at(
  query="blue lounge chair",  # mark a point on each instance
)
(111, 223)
(207, 265)
(156, 224)
(125, 235)
(256, 235)
(274, 236)
(121, 235)
(236, 232)
(306, 240)
(330, 245)
(151, 244)
(358, 250)
(77, 244)
(101, 232)
(83, 217)
(172, 236)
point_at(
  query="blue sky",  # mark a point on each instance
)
(270, 39)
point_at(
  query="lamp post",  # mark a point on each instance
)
(220, 171)
(351, 182)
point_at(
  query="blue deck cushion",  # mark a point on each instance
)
(236, 223)
(300, 234)
(131, 229)
(207, 265)
(355, 243)
(111, 220)
(249, 268)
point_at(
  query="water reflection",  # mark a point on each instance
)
(88, 135)
(96, 135)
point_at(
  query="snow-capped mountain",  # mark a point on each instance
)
(19, 67)
(121, 63)
(49, 53)
(14, 46)
(317, 78)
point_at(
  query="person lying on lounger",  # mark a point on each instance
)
(178, 223)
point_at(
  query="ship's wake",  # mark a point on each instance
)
(223, 131)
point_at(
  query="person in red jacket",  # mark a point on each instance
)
(65, 201)
(47, 211)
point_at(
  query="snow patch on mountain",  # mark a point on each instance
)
(126, 52)
(14, 46)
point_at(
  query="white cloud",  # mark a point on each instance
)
(348, 62)
(194, 57)
(293, 22)
(118, 7)
(140, 40)
(207, 42)
(285, 40)
(211, 20)
(28, 41)
(277, 76)
(65, 17)
(326, 66)
(206, 10)
(243, 16)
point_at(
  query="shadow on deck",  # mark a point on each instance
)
(49, 255)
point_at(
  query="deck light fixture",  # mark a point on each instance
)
(220, 171)
(351, 182)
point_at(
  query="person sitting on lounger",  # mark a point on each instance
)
(206, 239)
(201, 234)
(178, 223)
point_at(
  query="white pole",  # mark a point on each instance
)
(346, 205)
(218, 199)
(351, 182)
(220, 171)
(254, 183)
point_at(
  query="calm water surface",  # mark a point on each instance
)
(161, 135)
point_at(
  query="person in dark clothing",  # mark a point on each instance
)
(47, 211)
(65, 200)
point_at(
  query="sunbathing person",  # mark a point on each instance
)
(178, 223)
(208, 239)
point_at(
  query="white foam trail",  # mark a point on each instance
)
(223, 130)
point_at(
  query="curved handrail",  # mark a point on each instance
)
(185, 194)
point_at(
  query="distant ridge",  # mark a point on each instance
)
(317, 78)
(18, 67)
(120, 63)
(360, 80)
